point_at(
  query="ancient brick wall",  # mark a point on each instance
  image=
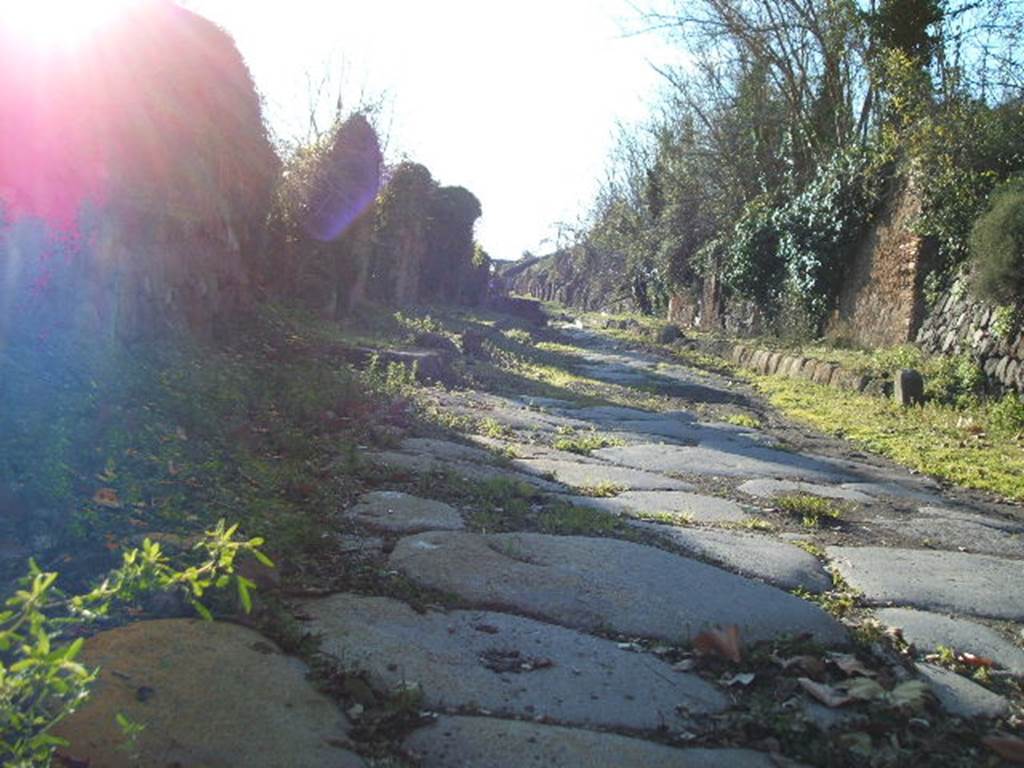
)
(879, 303)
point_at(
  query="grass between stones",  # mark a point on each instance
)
(583, 443)
(743, 420)
(809, 508)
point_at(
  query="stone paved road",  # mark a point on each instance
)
(691, 483)
(564, 649)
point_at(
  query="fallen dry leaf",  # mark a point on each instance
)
(1007, 747)
(850, 664)
(743, 678)
(826, 694)
(974, 661)
(864, 689)
(809, 665)
(910, 695)
(107, 497)
(720, 642)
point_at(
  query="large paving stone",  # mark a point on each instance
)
(446, 450)
(613, 413)
(594, 584)
(615, 374)
(422, 463)
(682, 433)
(957, 529)
(738, 460)
(750, 554)
(764, 488)
(928, 630)
(960, 696)
(398, 512)
(917, 488)
(209, 694)
(700, 508)
(588, 474)
(508, 665)
(460, 742)
(933, 580)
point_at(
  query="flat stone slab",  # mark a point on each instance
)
(928, 631)
(613, 413)
(695, 506)
(750, 554)
(764, 488)
(208, 693)
(459, 742)
(397, 512)
(422, 463)
(508, 665)
(960, 696)
(590, 474)
(960, 530)
(739, 460)
(919, 489)
(980, 585)
(662, 430)
(605, 584)
(445, 449)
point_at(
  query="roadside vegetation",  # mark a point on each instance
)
(959, 435)
(978, 446)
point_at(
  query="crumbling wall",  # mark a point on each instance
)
(880, 301)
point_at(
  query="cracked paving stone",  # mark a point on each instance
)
(397, 512)
(933, 580)
(700, 508)
(927, 631)
(458, 742)
(605, 584)
(508, 665)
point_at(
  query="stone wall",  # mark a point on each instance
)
(959, 324)
(880, 302)
(578, 277)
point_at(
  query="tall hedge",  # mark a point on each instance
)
(997, 246)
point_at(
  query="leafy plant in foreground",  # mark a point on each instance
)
(41, 683)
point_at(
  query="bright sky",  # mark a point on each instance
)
(515, 101)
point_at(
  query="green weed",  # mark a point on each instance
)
(811, 509)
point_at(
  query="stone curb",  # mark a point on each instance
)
(776, 363)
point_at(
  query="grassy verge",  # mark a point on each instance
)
(956, 437)
(966, 446)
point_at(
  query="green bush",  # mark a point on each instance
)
(753, 265)
(787, 254)
(41, 684)
(1007, 415)
(954, 380)
(997, 246)
(818, 226)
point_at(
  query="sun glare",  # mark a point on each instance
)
(57, 23)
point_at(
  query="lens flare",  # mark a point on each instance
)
(57, 23)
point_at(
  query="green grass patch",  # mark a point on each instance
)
(584, 443)
(743, 420)
(970, 447)
(810, 509)
(756, 524)
(568, 519)
(602, 490)
(668, 518)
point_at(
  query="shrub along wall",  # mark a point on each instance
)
(151, 175)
